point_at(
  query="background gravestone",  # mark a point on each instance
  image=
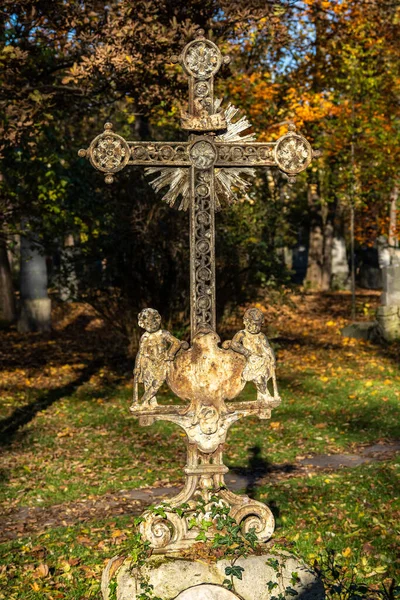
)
(340, 265)
(388, 315)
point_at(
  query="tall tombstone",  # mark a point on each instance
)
(200, 176)
(35, 304)
(388, 314)
(340, 279)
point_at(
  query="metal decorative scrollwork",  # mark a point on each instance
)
(257, 516)
(151, 153)
(203, 250)
(201, 59)
(109, 152)
(202, 89)
(292, 153)
(202, 154)
(204, 482)
(245, 154)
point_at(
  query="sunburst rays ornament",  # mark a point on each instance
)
(230, 185)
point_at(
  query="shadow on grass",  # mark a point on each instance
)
(258, 468)
(311, 344)
(24, 414)
(75, 341)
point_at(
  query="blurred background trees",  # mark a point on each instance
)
(331, 66)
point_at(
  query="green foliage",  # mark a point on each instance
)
(112, 588)
(341, 581)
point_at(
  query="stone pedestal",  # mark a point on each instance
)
(340, 266)
(363, 330)
(387, 324)
(388, 318)
(391, 285)
(388, 315)
(35, 315)
(184, 579)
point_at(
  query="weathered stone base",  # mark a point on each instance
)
(35, 315)
(388, 318)
(184, 579)
(364, 330)
(385, 328)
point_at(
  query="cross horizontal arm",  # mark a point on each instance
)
(229, 154)
(110, 153)
(254, 154)
(163, 154)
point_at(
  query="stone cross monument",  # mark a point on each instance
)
(199, 175)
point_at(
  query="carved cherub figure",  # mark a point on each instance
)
(260, 358)
(157, 348)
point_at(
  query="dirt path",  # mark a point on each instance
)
(27, 520)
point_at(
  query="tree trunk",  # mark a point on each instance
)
(8, 312)
(67, 279)
(142, 126)
(326, 271)
(316, 240)
(319, 265)
(393, 233)
(35, 303)
(340, 279)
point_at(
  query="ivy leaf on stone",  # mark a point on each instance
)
(234, 571)
(201, 537)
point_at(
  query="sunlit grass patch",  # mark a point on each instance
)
(353, 511)
(85, 445)
(338, 396)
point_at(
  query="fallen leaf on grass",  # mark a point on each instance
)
(64, 433)
(117, 533)
(84, 540)
(65, 566)
(368, 548)
(41, 571)
(38, 551)
(275, 425)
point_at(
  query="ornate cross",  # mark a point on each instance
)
(202, 171)
(199, 174)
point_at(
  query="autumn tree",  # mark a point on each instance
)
(334, 71)
(66, 68)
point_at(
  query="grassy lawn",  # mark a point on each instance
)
(68, 437)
